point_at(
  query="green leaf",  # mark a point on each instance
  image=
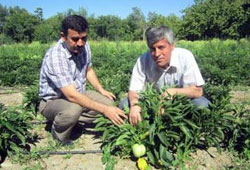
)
(151, 134)
(151, 157)
(13, 146)
(156, 153)
(102, 124)
(9, 126)
(185, 130)
(121, 139)
(163, 138)
(191, 124)
(169, 156)
(21, 137)
(172, 134)
(219, 133)
(229, 117)
(162, 150)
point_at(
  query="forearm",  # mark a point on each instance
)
(190, 91)
(133, 98)
(135, 110)
(113, 113)
(74, 96)
(85, 101)
(92, 78)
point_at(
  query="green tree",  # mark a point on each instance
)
(39, 14)
(3, 13)
(137, 24)
(110, 27)
(70, 11)
(83, 12)
(92, 34)
(215, 18)
(20, 25)
(171, 21)
(49, 29)
(244, 29)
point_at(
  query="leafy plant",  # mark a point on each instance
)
(172, 126)
(14, 129)
(31, 98)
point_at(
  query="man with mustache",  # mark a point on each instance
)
(65, 69)
(164, 65)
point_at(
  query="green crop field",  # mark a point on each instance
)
(224, 64)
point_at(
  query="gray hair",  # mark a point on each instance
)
(154, 34)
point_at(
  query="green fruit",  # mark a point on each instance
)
(138, 150)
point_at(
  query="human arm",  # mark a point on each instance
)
(137, 83)
(115, 114)
(191, 91)
(135, 110)
(92, 78)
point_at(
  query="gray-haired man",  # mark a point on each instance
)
(165, 65)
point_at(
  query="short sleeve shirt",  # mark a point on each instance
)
(182, 71)
(60, 68)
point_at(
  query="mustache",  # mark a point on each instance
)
(78, 48)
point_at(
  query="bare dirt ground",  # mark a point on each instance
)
(200, 160)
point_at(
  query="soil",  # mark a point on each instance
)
(86, 140)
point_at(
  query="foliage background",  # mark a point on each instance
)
(221, 62)
(206, 19)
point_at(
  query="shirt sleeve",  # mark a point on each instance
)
(138, 79)
(192, 74)
(58, 70)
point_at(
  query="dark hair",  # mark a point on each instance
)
(155, 34)
(74, 22)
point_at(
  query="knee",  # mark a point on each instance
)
(124, 103)
(99, 97)
(70, 115)
(107, 101)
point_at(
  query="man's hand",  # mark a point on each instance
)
(135, 115)
(107, 94)
(115, 114)
(169, 91)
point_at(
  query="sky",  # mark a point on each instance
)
(120, 8)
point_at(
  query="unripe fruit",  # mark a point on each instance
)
(138, 150)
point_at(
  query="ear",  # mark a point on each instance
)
(172, 46)
(63, 36)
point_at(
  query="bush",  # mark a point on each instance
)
(172, 127)
(4, 39)
(14, 129)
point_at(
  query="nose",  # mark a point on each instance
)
(80, 43)
(157, 52)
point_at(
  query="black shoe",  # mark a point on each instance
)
(67, 142)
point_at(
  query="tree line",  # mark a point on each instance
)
(205, 19)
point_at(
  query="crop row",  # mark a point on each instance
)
(221, 62)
